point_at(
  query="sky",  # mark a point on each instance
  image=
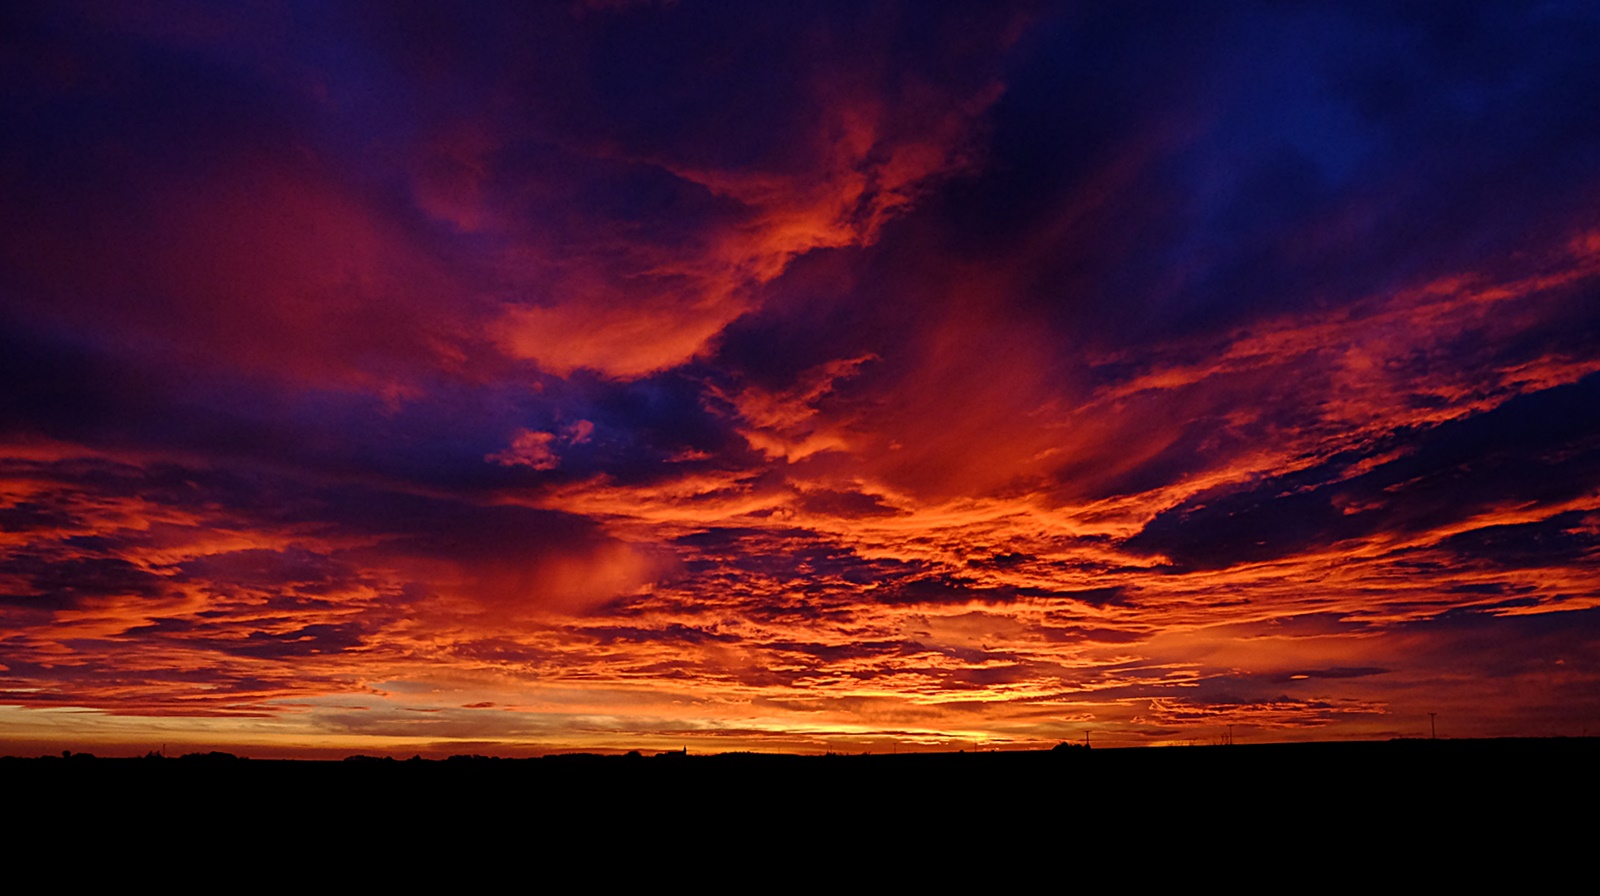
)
(408, 378)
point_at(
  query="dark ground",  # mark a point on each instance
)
(1408, 774)
(1415, 800)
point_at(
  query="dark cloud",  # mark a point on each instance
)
(31, 515)
(295, 568)
(849, 505)
(1099, 597)
(1533, 448)
(1335, 672)
(228, 637)
(63, 582)
(668, 635)
(944, 589)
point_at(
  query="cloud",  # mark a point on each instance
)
(807, 376)
(528, 449)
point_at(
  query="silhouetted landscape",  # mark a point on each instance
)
(1316, 784)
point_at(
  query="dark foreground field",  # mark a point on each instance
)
(1257, 817)
(1527, 782)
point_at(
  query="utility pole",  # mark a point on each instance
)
(1433, 731)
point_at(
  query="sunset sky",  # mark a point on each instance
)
(437, 378)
